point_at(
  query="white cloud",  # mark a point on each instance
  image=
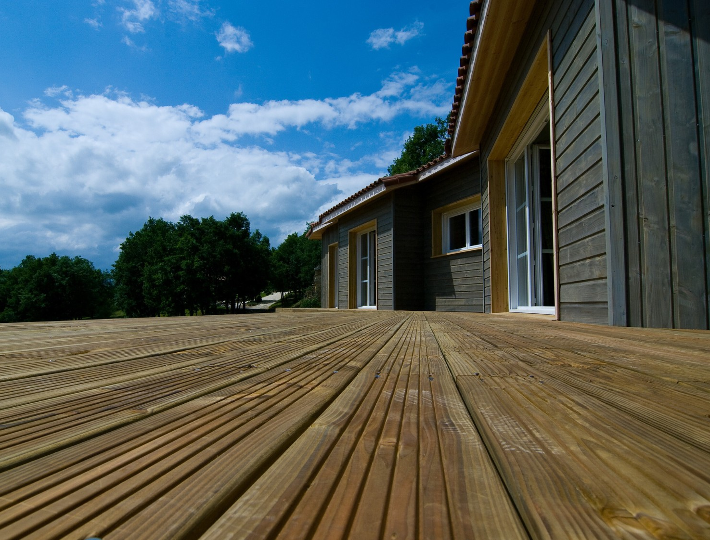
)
(79, 174)
(234, 39)
(54, 91)
(133, 19)
(190, 10)
(400, 93)
(132, 44)
(94, 23)
(382, 38)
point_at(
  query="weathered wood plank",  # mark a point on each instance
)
(685, 191)
(651, 167)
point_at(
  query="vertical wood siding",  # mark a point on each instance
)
(664, 65)
(578, 147)
(410, 223)
(380, 209)
(454, 282)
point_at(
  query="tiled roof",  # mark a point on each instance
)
(387, 181)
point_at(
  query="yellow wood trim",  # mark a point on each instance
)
(352, 260)
(498, 236)
(437, 249)
(530, 94)
(372, 224)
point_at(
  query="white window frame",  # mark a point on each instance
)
(446, 216)
(524, 147)
(372, 249)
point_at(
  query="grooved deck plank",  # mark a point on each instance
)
(353, 424)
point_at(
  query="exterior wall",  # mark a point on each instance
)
(580, 187)
(380, 209)
(451, 282)
(409, 220)
(330, 236)
(660, 122)
(578, 151)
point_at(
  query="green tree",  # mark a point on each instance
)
(294, 263)
(54, 288)
(147, 270)
(426, 144)
(194, 265)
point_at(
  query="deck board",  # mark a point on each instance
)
(353, 425)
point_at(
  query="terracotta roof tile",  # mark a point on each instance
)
(474, 9)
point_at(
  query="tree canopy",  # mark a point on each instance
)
(193, 265)
(426, 144)
(54, 288)
(294, 262)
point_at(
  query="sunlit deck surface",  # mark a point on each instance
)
(353, 425)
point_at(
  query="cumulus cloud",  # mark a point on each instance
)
(400, 93)
(134, 19)
(54, 91)
(234, 39)
(78, 174)
(189, 10)
(382, 38)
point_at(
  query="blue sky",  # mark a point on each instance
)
(112, 111)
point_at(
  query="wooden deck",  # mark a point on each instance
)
(353, 425)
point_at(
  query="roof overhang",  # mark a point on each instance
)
(500, 30)
(382, 186)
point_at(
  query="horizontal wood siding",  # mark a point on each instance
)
(329, 236)
(486, 254)
(409, 220)
(664, 87)
(452, 282)
(381, 210)
(580, 187)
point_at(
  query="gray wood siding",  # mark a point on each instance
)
(580, 188)
(578, 148)
(380, 209)
(452, 282)
(663, 64)
(409, 227)
(330, 236)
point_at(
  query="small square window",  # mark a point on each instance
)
(462, 229)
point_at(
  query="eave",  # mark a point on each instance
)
(499, 31)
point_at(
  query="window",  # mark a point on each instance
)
(462, 229)
(530, 232)
(457, 227)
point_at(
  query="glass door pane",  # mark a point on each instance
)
(545, 277)
(521, 231)
(367, 280)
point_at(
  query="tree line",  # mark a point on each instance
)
(193, 266)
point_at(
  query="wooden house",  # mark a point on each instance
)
(383, 248)
(589, 122)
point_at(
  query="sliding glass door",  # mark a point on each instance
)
(367, 270)
(530, 232)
